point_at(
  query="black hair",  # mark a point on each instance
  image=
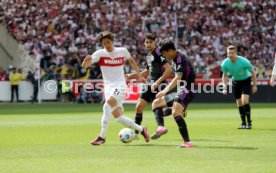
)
(166, 44)
(150, 36)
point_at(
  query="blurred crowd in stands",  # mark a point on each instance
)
(59, 33)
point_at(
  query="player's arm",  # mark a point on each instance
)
(87, 62)
(134, 66)
(171, 86)
(273, 75)
(224, 82)
(144, 73)
(167, 72)
(254, 80)
(250, 68)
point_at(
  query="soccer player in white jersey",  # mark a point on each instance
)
(111, 60)
(273, 75)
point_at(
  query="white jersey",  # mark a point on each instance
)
(112, 66)
(274, 67)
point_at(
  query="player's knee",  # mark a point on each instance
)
(111, 101)
(154, 104)
(245, 102)
(177, 110)
(117, 112)
(176, 113)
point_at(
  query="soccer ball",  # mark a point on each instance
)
(126, 135)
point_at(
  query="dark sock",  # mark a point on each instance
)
(158, 112)
(138, 120)
(167, 111)
(242, 114)
(248, 113)
(182, 127)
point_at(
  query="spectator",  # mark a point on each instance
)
(15, 78)
(38, 74)
(3, 75)
(71, 27)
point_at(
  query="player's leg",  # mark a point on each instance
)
(140, 106)
(182, 126)
(180, 104)
(104, 123)
(247, 110)
(157, 107)
(167, 111)
(246, 91)
(237, 94)
(107, 111)
(115, 101)
(169, 101)
(242, 113)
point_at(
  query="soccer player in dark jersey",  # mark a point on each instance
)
(157, 72)
(242, 71)
(183, 80)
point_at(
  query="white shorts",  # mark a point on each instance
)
(118, 93)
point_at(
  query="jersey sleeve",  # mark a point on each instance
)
(163, 60)
(95, 56)
(274, 67)
(248, 65)
(126, 53)
(274, 70)
(223, 67)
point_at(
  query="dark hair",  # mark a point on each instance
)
(150, 36)
(166, 44)
(232, 47)
(106, 34)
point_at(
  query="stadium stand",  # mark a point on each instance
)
(61, 33)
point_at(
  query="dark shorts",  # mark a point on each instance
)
(183, 97)
(242, 87)
(149, 96)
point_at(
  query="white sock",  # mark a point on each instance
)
(105, 119)
(129, 123)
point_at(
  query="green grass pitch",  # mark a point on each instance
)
(55, 138)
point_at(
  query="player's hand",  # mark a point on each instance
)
(160, 95)
(142, 79)
(154, 86)
(272, 82)
(127, 76)
(254, 89)
(87, 61)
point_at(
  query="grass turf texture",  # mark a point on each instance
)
(54, 138)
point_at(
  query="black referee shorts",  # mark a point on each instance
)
(242, 87)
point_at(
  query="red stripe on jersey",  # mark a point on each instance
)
(111, 62)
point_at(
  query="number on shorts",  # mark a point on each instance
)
(116, 92)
